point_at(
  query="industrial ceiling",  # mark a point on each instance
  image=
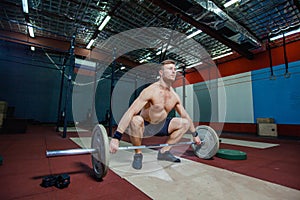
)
(240, 29)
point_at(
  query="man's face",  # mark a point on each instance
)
(168, 72)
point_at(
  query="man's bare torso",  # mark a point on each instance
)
(161, 101)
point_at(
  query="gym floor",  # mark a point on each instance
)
(25, 164)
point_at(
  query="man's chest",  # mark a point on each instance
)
(165, 99)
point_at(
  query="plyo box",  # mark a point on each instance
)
(3, 107)
(265, 120)
(2, 117)
(267, 129)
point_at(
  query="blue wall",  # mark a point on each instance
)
(254, 95)
(279, 98)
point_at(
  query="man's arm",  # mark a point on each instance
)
(182, 112)
(134, 109)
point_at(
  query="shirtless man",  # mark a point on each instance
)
(147, 116)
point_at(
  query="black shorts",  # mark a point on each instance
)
(160, 129)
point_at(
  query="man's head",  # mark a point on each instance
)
(168, 71)
(169, 61)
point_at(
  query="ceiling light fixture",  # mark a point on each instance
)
(194, 34)
(25, 6)
(285, 34)
(229, 3)
(164, 49)
(223, 55)
(143, 60)
(103, 24)
(158, 53)
(32, 48)
(194, 65)
(90, 43)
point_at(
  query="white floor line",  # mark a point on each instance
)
(193, 180)
(245, 143)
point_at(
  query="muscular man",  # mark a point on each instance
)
(147, 116)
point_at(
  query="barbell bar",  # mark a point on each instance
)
(100, 148)
(70, 152)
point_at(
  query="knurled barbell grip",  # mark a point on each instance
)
(156, 146)
(70, 152)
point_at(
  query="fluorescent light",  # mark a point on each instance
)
(32, 48)
(30, 30)
(25, 6)
(164, 49)
(90, 44)
(223, 55)
(194, 65)
(158, 53)
(143, 60)
(229, 3)
(286, 34)
(103, 24)
(194, 34)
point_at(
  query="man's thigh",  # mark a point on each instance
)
(175, 124)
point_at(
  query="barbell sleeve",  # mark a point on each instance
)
(69, 152)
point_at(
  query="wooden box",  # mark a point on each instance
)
(267, 129)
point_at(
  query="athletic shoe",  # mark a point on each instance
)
(167, 156)
(137, 161)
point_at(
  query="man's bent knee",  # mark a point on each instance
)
(185, 124)
(179, 124)
(137, 121)
(136, 126)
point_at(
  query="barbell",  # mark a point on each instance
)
(100, 148)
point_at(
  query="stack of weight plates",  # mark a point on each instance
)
(230, 154)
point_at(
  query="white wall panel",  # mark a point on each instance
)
(239, 99)
(189, 99)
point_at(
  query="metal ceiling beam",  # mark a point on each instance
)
(47, 43)
(84, 4)
(52, 15)
(206, 29)
(60, 47)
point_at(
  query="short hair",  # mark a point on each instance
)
(169, 61)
